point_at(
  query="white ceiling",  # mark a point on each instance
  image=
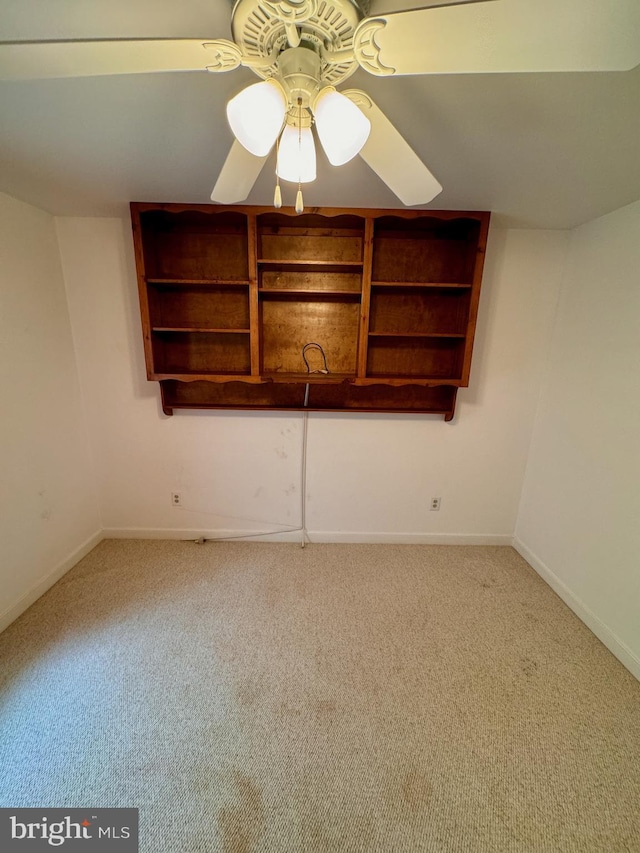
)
(539, 150)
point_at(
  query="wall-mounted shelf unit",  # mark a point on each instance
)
(230, 297)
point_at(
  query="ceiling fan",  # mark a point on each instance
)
(303, 49)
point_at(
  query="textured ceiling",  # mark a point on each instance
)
(539, 150)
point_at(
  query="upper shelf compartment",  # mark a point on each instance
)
(195, 246)
(310, 239)
(276, 278)
(426, 250)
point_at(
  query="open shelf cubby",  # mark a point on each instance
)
(231, 296)
(211, 307)
(425, 249)
(311, 238)
(201, 352)
(402, 310)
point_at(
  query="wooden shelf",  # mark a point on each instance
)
(230, 298)
(289, 291)
(402, 381)
(415, 335)
(195, 376)
(196, 282)
(309, 264)
(412, 379)
(203, 330)
(322, 378)
(296, 396)
(442, 284)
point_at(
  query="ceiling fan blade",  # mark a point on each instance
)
(391, 157)
(238, 175)
(506, 36)
(31, 60)
(384, 7)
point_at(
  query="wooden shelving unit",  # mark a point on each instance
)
(231, 296)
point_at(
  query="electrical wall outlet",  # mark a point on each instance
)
(435, 504)
(176, 499)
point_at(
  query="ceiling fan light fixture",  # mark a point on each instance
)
(342, 128)
(296, 155)
(256, 115)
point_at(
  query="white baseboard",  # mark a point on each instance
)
(33, 594)
(191, 534)
(606, 636)
(323, 536)
(317, 536)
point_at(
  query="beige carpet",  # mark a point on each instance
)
(260, 697)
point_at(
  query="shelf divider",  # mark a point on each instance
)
(365, 305)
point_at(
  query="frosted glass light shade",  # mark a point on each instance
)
(343, 129)
(256, 115)
(296, 157)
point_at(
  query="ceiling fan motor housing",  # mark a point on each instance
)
(299, 71)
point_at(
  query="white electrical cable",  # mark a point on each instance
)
(303, 493)
(202, 539)
(303, 472)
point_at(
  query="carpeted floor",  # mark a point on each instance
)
(260, 697)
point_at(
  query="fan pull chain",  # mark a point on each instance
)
(277, 195)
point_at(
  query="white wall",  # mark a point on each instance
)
(86, 447)
(48, 505)
(579, 522)
(369, 477)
